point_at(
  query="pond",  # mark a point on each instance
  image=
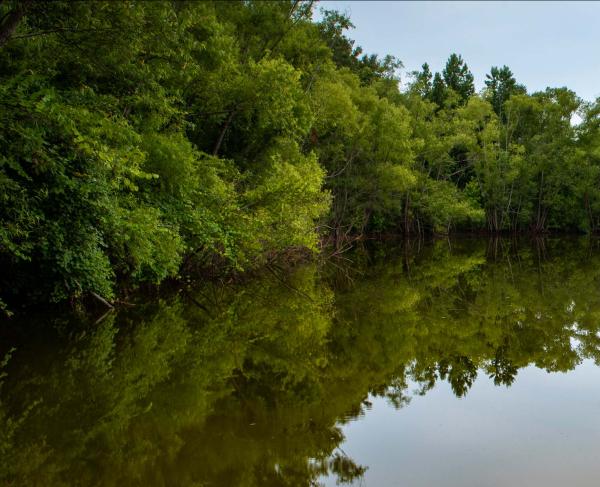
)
(464, 362)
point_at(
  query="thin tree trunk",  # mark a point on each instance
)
(507, 212)
(223, 131)
(539, 208)
(517, 213)
(589, 213)
(406, 208)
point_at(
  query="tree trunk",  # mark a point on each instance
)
(223, 131)
(589, 213)
(539, 222)
(406, 218)
(11, 21)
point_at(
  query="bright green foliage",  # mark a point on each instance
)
(541, 124)
(141, 140)
(516, 156)
(364, 142)
(138, 135)
(586, 161)
(423, 82)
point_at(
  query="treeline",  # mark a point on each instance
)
(141, 140)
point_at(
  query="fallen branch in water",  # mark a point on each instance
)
(101, 319)
(102, 300)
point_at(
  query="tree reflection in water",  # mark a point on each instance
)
(250, 385)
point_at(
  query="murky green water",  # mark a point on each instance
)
(470, 363)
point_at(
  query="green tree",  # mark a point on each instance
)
(438, 90)
(457, 77)
(501, 85)
(422, 82)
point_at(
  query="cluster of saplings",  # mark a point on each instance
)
(139, 139)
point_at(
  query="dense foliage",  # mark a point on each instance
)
(140, 140)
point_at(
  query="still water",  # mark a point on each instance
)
(454, 363)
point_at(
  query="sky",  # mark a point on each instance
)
(543, 43)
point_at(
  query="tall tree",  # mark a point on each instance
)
(422, 81)
(501, 85)
(368, 67)
(438, 90)
(458, 77)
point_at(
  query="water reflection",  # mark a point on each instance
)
(252, 385)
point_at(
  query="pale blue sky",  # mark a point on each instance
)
(544, 43)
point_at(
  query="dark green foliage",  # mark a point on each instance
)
(457, 77)
(438, 90)
(501, 86)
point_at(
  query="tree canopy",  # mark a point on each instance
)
(144, 141)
